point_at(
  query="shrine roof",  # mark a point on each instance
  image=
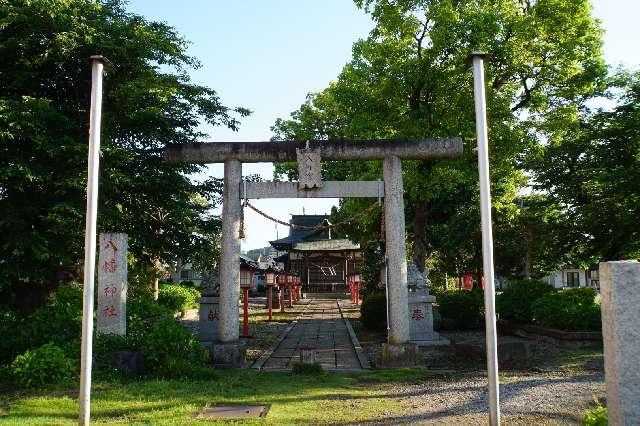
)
(326, 245)
(245, 260)
(297, 235)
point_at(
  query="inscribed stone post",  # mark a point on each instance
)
(209, 314)
(620, 287)
(112, 284)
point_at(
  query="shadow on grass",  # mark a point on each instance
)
(294, 398)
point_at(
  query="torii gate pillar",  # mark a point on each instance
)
(396, 251)
(229, 330)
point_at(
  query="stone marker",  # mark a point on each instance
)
(620, 288)
(112, 284)
(421, 309)
(209, 316)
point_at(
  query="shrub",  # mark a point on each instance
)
(170, 350)
(188, 283)
(58, 322)
(373, 311)
(596, 416)
(515, 301)
(142, 314)
(308, 369)
(581, 295)
(572, 310)
(44, 366)
(178, 297)
(462, 310)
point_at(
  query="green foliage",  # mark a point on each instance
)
(515, 301)
(373, 259)
(307, 369)
(42, 367)
(170, 350)
(142, 314)
(178, 297)
(149, 101)
(58, 322)
(105, 343)
(535, 238)
(593, 167)
(462, 310)
(373, 311)
(188, 283)
(407, 79)
(572, 309)
(580, 295)
(596, 416)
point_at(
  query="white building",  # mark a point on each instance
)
(575, 277)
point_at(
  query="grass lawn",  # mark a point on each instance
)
(295, 399)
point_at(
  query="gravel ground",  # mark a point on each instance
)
(538, 399)
(554, 386)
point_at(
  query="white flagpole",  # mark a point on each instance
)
(477, 59)
(86, 355)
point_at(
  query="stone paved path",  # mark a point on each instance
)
(322, 328)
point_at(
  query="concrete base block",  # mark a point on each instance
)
(399, 355)
(437, 340)
(128, 361)
(228, 355)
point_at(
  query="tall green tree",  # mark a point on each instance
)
(149, 101)
(408, 79)
(593, 169)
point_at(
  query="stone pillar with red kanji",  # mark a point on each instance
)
(209, 319)
(112, 284)
(421, 310)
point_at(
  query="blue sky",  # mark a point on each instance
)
(267, 55)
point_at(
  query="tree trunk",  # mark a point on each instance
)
(527, 261)
(419, 235)
(156, 289)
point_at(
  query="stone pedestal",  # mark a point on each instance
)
(209, 319)
(421, 320)
(393, 355)
(112, 284)
(620, 288)
(228, 355)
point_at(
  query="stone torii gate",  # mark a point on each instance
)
(308, 155)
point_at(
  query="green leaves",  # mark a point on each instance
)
(593, 168)
(408, 79)
(149, 102)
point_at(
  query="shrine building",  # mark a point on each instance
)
(319, 255)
